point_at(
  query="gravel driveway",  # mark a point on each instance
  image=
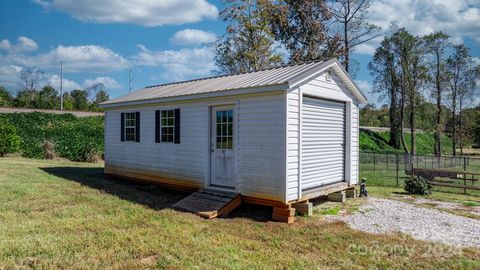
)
(387, 216)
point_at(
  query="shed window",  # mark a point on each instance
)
(167, 126)
(130, 126)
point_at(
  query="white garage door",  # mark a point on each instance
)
(323, 142)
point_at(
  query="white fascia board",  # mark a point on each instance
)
(225, 93)
(309, 74)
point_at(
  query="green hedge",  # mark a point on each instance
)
(75, 138)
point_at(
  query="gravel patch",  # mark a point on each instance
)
(390, 216)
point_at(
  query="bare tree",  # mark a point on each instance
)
(350, 17)
(30, 78)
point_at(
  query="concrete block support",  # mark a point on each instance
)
(304, 208)
(337, 197)
(351, 193)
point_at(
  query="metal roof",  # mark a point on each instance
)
(262, 78)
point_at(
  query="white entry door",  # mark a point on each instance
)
(222, 146)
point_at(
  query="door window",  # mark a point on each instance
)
(224, 125)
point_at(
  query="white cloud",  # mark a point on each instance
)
(177, 65)
(5, 45)
(366, 87)
(458, 18)
(476, 61)
(141, 12)
(67, 85)
(9, 76)
(192, 37)
(85, 58)
(108, 82)
(24, 44)
(369, 46)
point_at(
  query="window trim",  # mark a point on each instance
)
(134, 126)
(161, 126)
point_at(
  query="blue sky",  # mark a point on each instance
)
(163, 41)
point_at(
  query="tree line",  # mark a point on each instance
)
(47, 97)
(268, 33)
(427, 76)
(415, 72)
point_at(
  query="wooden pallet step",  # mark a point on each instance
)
(209, 203)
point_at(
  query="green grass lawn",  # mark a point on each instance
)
(66, 215)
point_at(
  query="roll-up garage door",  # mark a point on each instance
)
(323, 142)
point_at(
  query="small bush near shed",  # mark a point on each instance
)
(418, 185)
(9, 140)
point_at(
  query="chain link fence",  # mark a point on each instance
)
(391, 169)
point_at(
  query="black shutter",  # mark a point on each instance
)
(157, 126)
(122, 127)
(177, 125)
(137, 126)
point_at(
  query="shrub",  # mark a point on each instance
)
(9, 140)
(418, 185)
(73, 138)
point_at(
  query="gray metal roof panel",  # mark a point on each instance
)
(266, 77)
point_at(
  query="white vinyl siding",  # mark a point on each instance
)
(323, 142)
(260, 146)
(293, 132)
(319, 87)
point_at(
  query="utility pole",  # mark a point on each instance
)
(61, 85)
(130, 81)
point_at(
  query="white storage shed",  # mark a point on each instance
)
(275, 136)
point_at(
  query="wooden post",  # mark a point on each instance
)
(286, 214)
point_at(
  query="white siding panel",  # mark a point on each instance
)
(183, 161)
(261, 147)
(292, 143)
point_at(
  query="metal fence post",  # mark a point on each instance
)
(387, 161)
(373, 161)
(464, 175)
(397, 161)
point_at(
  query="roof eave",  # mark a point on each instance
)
(225, 93)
